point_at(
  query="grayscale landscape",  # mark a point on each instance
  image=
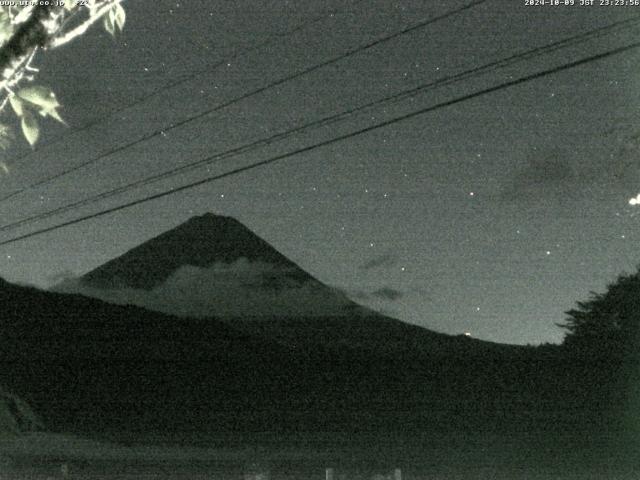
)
(269, 240)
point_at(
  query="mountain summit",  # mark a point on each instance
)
(201, 241)
(211, 266)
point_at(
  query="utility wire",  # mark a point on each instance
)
(209, 69)
(252, 93)
(315, 146)
(510, 60)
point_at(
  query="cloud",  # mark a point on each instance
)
(386, 260)
(387, 293)
(242, 288)
(563, 175)
(61, 277)
(552, 175)
(382, 293)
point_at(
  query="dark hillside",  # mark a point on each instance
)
(90, 367)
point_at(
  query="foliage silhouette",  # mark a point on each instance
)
(608, 324)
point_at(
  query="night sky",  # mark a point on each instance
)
(492, 216)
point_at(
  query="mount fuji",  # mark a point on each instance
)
(252, 342)
(213, 266)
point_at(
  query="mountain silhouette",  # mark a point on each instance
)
(117, 372)
(303, 358)
(199, 242)
(86, 366)
(212, 265)
(235, 336)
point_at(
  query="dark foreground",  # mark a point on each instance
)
(357, 456)
(442, 407)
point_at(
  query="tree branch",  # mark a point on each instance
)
(83, 27)
(43, 24)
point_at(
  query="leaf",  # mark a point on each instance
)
(30, 128)
(6, 28)
(42, 97)
(119, 16)
(109, 24)
(21, 15)
(53, 113)
(17, 105)
(5, 17)
(114, 20)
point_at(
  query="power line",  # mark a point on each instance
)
(169, 86)
(257, 91)
(324, 143)
(510, 60)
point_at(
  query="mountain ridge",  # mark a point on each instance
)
(212, 265)
(86, 366)
(200, 241)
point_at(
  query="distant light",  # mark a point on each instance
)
(467, 334)
(548, 252)
(635, 200)
(471, 194)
